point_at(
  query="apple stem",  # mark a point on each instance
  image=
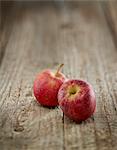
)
(59, 68)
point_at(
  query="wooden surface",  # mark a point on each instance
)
(36, 36)
(111, 15)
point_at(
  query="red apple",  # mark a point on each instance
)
(77, 99)
(46, 86)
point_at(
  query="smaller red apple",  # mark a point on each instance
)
(46, 86)
(77, 99)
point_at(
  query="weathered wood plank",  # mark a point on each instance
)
(44, 35)
(6, 22)
(110, 9)
(0, 23)
(0, 18)
(32, 46)
(86, 44)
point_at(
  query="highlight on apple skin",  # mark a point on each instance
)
(46, 86)
(77, 100)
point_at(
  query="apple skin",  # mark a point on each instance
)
(77, 106)
(46, 86)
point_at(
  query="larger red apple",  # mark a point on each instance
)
(46, 86)
(77, 99)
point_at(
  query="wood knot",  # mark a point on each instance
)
(18, 128)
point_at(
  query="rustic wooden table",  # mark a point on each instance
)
(34, 36)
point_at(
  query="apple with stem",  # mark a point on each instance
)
(46, 86)
(77, 99)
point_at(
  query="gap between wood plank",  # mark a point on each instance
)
(63, 132)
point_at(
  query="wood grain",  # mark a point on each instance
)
(43, 35)
(0, 21)
(0, 17)
(7, 10)
(87, 44)
(30, 126)
(110, 9)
